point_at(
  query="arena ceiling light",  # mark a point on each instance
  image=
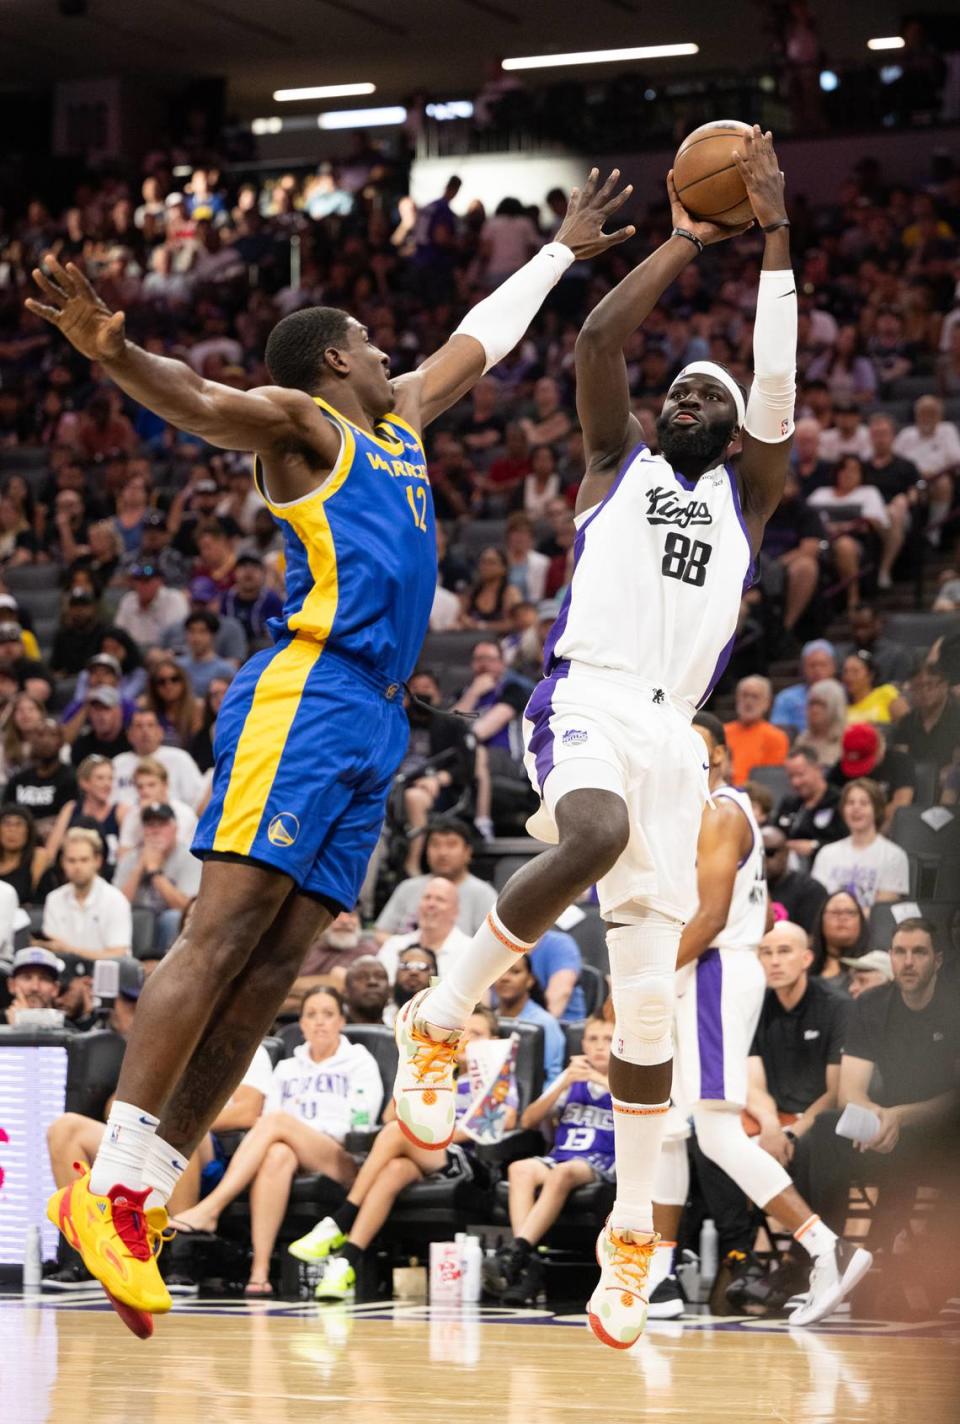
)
(887, 42)
(323, 91)
(450, 109)
(600, 56)
(362, 118)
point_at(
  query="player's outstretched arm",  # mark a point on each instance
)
(492, 328)
(260, 420)
(603, 395)
(768, 427)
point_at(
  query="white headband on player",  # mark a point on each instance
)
(710, 368)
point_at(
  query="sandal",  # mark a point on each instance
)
(257, 1290)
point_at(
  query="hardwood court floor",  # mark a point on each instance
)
(76, 1364)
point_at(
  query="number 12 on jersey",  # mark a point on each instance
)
(417, 500)
(685, 559)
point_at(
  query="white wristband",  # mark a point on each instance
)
(773, 394)
(500, 320)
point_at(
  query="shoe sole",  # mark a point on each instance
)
(346, 1296)
(860, 1263)
(310, 1257)
(140, 1322)
(668, 1311)
(606, 1339)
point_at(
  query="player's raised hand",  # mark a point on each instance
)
(760, 171)
(587, 212)
(707, 232)
(75, 309)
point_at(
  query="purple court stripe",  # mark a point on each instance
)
(751, 574)
(710, 1024)
(556, 632)
(539, 711)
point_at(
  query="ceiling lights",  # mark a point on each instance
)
(600, 56)
(323, 91)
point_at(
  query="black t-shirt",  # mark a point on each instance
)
(891, 774)
(791, 521)
(797, 1044)
(821, 823)
(893, 479)
(916, 1053)
(89, 744)
(43, 795)
(801, 896)
(936, 745)
(74, 647)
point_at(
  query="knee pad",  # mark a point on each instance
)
(643, 961)
(721, 1137)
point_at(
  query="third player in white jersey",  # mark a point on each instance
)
(747, 917)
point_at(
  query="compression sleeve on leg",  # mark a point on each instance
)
(500, 320)
(773, 393)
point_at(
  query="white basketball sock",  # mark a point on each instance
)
(491, 951)
(124, 1149)
(815, 1237)
(638, 1132)
(162, 1171)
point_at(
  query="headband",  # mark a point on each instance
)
(710, 368)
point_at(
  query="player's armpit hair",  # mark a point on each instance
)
(296, 346)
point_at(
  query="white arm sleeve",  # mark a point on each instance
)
(499, 321)
(774, 389)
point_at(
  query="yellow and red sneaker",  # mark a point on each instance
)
(617, 1310)
(119, 1242)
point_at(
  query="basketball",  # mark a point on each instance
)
(706, 177)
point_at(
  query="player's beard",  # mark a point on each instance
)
(694, 447)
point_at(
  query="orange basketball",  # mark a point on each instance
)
(706, 176)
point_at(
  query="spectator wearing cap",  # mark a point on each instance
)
(148, 609)
(870, 971)
(13, 651)
(152, 787)
(10, 612)
(230, 640)
(75, 1000)
(34, 981)
(752, 739)
(801, 896)
(864, 863)
(86, 916)
(931, 731)
(201, 663)
(818, 660)
(155, 548)
(216, 554)
(145, 735)
(103, 670)
(436, 928)
(864, 752)
(45, 785)
(104, 735)
(449, 851)
(162, 876)
(252, 604)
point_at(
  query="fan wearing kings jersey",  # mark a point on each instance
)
(720, 990)
(665, 544)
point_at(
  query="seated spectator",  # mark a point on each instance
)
(329, 957)
(154, 547)
(250, 601)
(489, 600)
(145, 735)
(801, 896)
(96, 808)
(578, 1107)
(856, 519)
(448, 851)
(865, 753)
(151, 785)
(452, 479)
(517, 996)
(23, 862)
(896, 479)
(366, 991)
(847, 435)
(217, 556)
(444, 741)
(33, 676)
(102, 670)
(751, 739)
(870, 971)
(865, 863)
(26, 717)
(542, 484)
(893, 662)
(149, 609)
(133, 503)
(202, 494)
(557, 965)
(869, 700)
(33, 982)
(847, 371)
(933, 445)
(482, 430)
(547, 422)
(841, 933)
(201, 743)
(807, 470)
(105, 735)
(306, 1116)
(527, 569)
(11, 611)
(500, 485)
(810, 816)
(818, 662)
(229, 639)
(416, 966)
(103, 561)
(899, 1062)
(45, 784)
(562, 562)
(163, 876)
(201, 662)
(437, 928)
(931, 731)
(498, 697)
(86, 916)
(75, 1000)
(395, 1163)
(170, 696)
(825, 721)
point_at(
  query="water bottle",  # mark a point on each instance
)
(471, 1268)
(359, 1112)
(708, 1254)
(32, 1260)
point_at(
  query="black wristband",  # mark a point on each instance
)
(780, 222)
(690, 236)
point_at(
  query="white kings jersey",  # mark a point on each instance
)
(660, 566)
(747, 919)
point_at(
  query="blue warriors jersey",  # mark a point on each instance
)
(585, 1129)
(361, 558)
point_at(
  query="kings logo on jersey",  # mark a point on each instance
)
(663, 507)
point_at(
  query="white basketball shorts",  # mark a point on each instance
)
(588, 728)
(719, 998)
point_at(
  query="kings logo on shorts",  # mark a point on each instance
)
(663, 507)
(283, 829)
(573, 737)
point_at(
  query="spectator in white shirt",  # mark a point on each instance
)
(507, 241)
(436, 928)
(847, 436)
(527, 569)
(846, 534)
(933, 444)
(87, 916)
(145, 736)
(865, 864)
(151, 785)
(445, 613)
(148, 609)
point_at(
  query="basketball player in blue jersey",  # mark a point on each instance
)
(665, 544)
(312, 729)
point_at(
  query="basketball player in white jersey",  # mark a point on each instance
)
(665, 545)
(720, 989)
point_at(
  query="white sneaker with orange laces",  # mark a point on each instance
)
(617, 1309)
(423, 1093)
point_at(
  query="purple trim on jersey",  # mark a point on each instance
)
(682, 480)
(718, 671)
(560, 624)
(539, 711)
(750, 577)
(710, 1024)
(753, 835)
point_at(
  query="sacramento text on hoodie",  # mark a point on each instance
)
(323, 1094)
